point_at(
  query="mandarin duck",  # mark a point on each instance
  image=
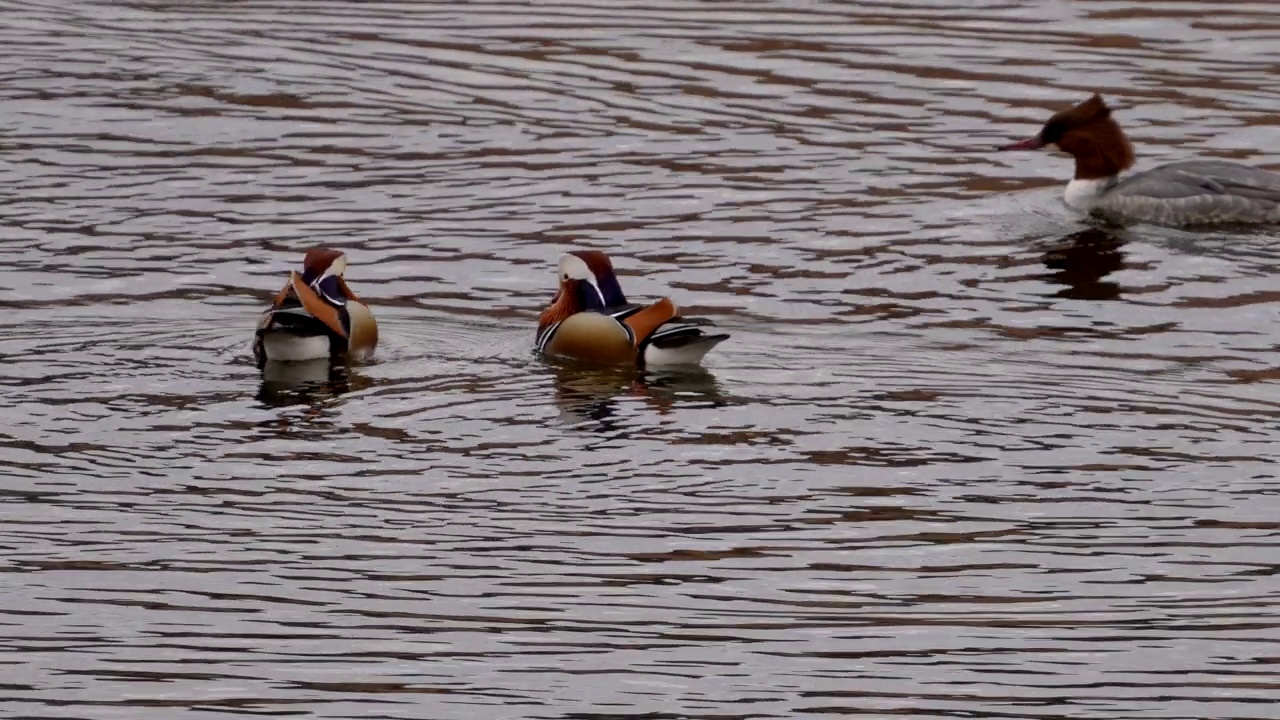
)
(316, 316)
(590, 320)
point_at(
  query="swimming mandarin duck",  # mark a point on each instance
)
(316, 316)
(590, 320)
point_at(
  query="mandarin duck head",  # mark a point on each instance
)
(588, 282)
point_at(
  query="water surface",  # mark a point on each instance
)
(964, 455)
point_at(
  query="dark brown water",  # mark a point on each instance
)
(963, 457)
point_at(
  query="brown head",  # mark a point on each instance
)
(322, 261)
(1089, 134)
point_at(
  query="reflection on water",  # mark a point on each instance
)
(313, 382)
(595, 399)
(964, 455)
(1081, 260)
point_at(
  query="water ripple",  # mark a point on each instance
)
(964, 454)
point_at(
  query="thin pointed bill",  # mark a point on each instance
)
(1031, 143)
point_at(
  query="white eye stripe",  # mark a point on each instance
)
(573, 267)
(338, 301)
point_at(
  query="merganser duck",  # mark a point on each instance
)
(1197, 192)
(316, 316)
(590, 320)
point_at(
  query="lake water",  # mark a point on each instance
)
(964, 455)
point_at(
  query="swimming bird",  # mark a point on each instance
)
(589, 319)
(316, 316)
(1196, 192)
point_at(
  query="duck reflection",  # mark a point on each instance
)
(596, 397)
(314, 382)
(1081, 260)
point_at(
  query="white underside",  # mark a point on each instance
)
(687, 355)
(1084, 194)
(283, 347)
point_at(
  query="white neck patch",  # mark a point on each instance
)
(1082, 194)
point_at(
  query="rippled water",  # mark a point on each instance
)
(964, 455)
